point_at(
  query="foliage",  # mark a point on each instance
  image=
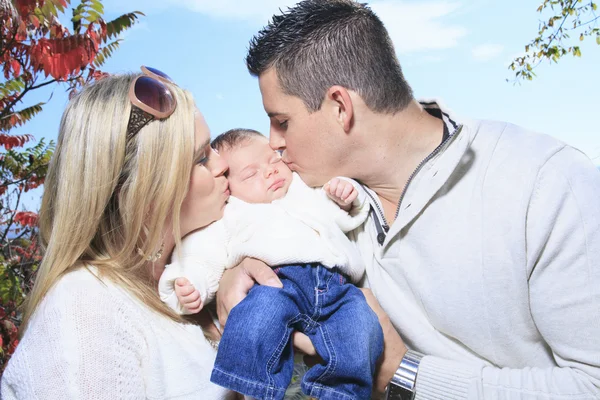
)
(566, 18)
(21, 170)
(37, 50)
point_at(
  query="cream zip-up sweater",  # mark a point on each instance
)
(303, 227)
(492, 268)
(89, 339)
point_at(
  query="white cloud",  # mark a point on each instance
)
(419, 26)
(256, 10)
(414, 26)
(486, 52)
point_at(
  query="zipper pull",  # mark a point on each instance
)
(386, 228)
(378, 226)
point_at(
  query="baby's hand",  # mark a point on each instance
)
(188, 296)
(342, 192)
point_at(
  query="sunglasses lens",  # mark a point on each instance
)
(159, 73)
(154, 94)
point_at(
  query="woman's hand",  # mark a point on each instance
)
(237, 282)
(393, 345)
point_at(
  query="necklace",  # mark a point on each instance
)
(213, 343)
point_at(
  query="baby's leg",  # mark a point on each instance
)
(350, 340)
(255, 354)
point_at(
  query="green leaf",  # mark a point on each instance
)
(98, 6)
(124, 22)
(23, 116)
(105, 53)
(11, 86)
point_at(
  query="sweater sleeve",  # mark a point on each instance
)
(563, 250)
(80, 344)
(348, 220)
(201, 259)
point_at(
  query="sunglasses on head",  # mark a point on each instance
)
(151, 99)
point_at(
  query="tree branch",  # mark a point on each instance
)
(8, 109)
(29, 175)
(12, 217)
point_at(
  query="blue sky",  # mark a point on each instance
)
(454, 51)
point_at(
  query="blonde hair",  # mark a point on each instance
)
(106, 196)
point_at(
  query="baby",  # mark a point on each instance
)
(274, 216)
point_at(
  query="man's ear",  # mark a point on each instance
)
(340, 99)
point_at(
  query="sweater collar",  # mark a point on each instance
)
(427, 179)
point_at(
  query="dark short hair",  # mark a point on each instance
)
(321, 43)
(233, 138)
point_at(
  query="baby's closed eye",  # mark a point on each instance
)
(248, 175)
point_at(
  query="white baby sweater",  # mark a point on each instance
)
(90, 339)
(305, 226)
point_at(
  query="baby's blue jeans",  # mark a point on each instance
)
(255, 355)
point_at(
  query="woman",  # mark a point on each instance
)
(132, 173)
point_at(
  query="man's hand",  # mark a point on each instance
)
(237, 282)
(342, 192)
(393, 345)
(188, 296)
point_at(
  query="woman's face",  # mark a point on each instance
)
(209, 189)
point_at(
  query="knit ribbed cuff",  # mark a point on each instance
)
(442, 379)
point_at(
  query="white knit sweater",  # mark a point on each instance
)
(492, 268)
(91, 340)
(305, 226)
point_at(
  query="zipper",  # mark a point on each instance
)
(382, 230)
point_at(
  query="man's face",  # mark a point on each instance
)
(256, 172)
(311, 142)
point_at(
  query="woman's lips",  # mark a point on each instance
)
(277, 184)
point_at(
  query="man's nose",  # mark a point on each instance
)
(276, 140)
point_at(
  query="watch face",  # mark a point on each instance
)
(395, 392)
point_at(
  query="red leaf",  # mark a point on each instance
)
(26, 218)
(10, 141)
(64, 57)
(16, 68)
(25, 7)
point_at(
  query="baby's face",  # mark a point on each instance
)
(256, 172)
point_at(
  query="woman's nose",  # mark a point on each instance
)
(217, 164)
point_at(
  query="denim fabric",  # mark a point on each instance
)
(255, 355)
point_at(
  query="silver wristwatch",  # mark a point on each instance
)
(402, 386)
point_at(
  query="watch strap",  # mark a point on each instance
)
(402, 386)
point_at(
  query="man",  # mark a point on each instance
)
(483, 243)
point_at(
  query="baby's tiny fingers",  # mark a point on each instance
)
(352, 196)
(181, 281)
(194, 296)
(194, 307)
(185, 290)
(333, 185)
(340, 190)
(347, 190)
